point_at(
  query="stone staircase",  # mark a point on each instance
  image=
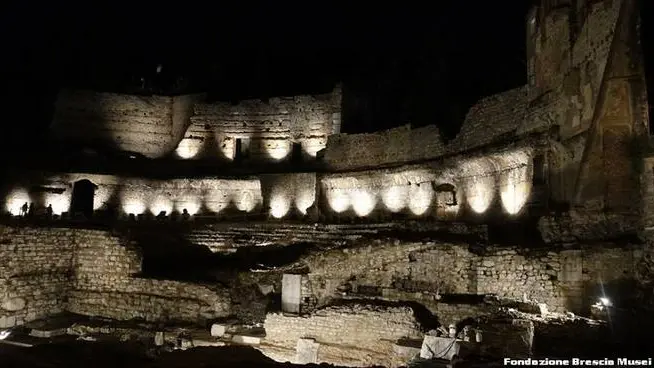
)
(229, 237)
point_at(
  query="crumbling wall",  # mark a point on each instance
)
(149, 125)
(138, 196)
(267, 130)
(45, 271)
(353, 335)
(393, 146)
(106, 284)
(35, 271)
(564, 279)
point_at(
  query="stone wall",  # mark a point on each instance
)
(564, 279)
(138, 196)
(393, 146)
(35, 273)
(150, 125)
(267, 130)
(106, 284)
(288, 194)
(354, 335)
(48, 271)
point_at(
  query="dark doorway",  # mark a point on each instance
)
(238, 150)
(296, 153)
(83, 195)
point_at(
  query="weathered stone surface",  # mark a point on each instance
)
(218, 330)
(307, 351)
(291, 293)
(13, 304)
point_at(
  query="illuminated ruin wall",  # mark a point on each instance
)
(150, 125)
(398, 145)
(569, 280)
(46, 271)
(337, 330)
(463, 186)
(138, 196)
(266, 130)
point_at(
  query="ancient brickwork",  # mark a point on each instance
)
(149, 125)
(430, 269)
(35, 272)
(398, 145)
(137, 196)
(48, 271)
(351, 334)
(287, 194)
(266, 130)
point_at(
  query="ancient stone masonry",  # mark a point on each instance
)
(150, 125)
(353, 335)
(563, 279)
(48, 271)
(262, 131)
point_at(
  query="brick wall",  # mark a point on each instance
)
(35, 271)
(288, 194)
(564, 279)
(149, 125)
(92, 272)
(398, 145)
(267, 130)
(351, 334)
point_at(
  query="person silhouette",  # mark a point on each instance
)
(31, 209)
(48, 210)
(23, 209)
(185, 214)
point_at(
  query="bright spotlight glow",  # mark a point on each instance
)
(15, 201)
(605, 302)
(4, 334)
(278, 149)
(514, 197)
(245, 201)
(134, 206)
(338, 200)
(363, 203)
(395, 197)
(480, 195)
(279, 205)
(161, 204)
(420, 199)
(188, 148)
(313, 145)
(192, 205)
(304, 199)
(60, 202)
(102, 195)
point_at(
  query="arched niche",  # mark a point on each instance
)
(83, 197)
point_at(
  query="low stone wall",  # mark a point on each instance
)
(355, 335)
(35, 271)
(564, 279)
(91, 272)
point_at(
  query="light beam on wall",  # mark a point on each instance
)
(60, 202)
(134, 206)
(15, 201)
(338, 200)
(278, 149)
(363, 202)
(304, 199)
(190, 204)
(480, 195)
(279, 205)
(420, 198)
(395, 197)
(515, 180)
(161, 204)
(101, 197)
(514, 197)
(245, 201)
(188, 148)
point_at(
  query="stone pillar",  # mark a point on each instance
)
(291, 293)
(571, 280)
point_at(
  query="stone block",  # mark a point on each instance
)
(248, 340)
(46, 334)
(306, 351)
(14, 304)
(266, 289)
(434, 347)
(7, 322)
(218, 330)
(291, 293)
(159, 338)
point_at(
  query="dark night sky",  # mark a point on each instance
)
(424, 64)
